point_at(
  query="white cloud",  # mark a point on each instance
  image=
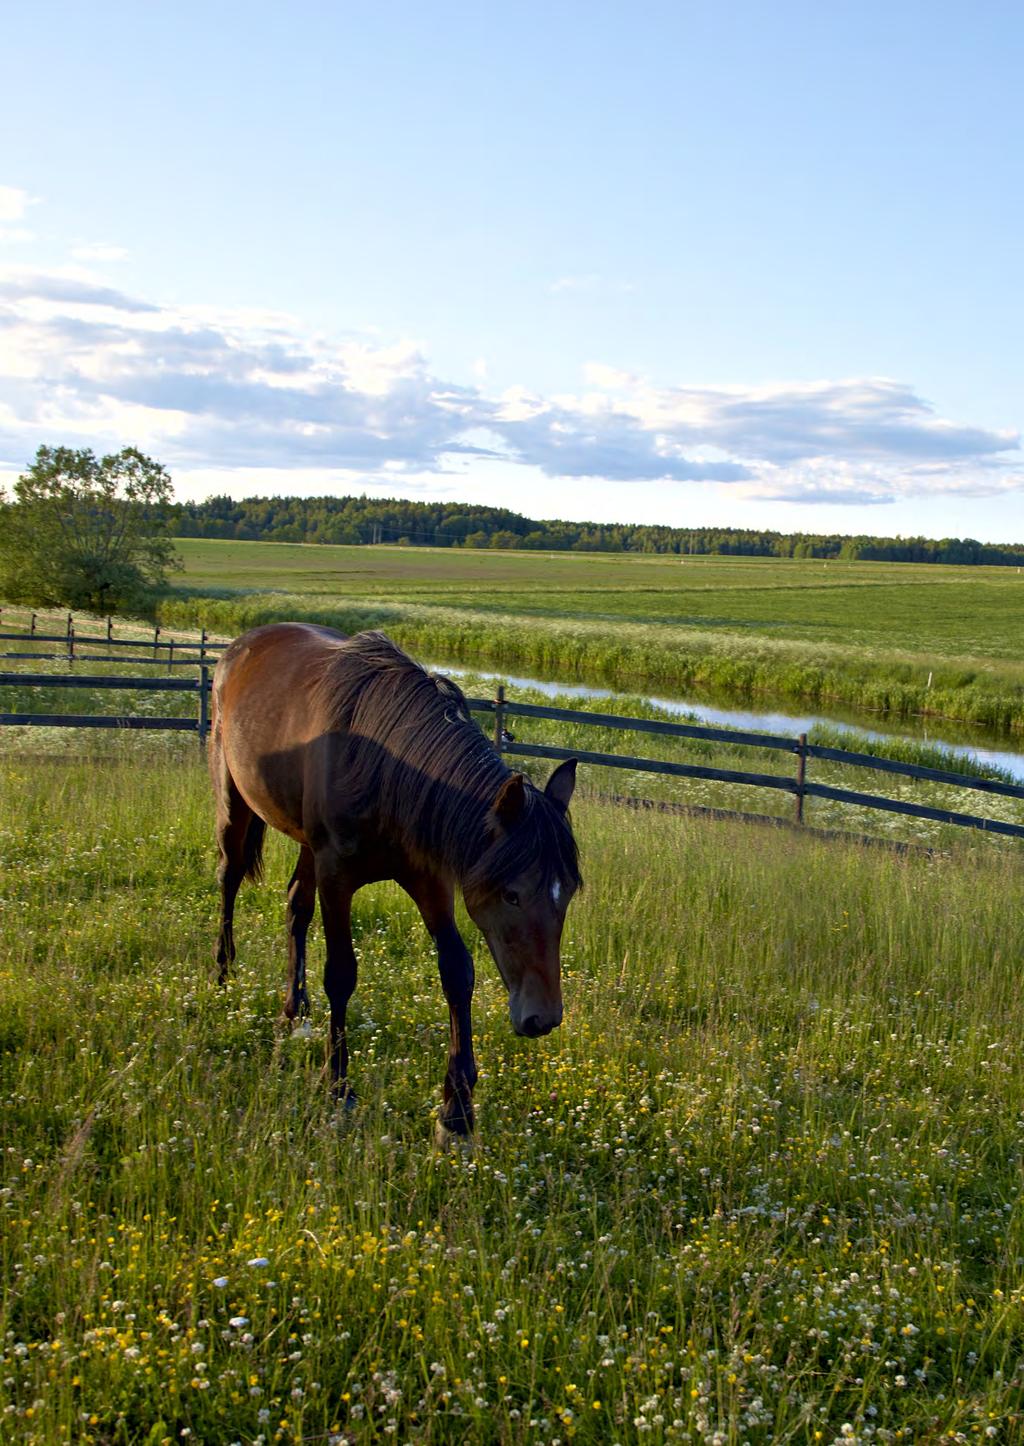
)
(98, 251)
(14, 203)
(85, 363)
(575, 283)
(590, 282)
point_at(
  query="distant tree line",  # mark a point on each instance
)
(463, 524)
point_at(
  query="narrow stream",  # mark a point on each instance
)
(930, 730)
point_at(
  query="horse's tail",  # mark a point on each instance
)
(252, 848)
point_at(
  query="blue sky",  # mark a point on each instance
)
(739, 264)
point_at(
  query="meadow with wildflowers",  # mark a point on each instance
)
(762, 1185)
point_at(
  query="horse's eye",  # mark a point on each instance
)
(509, 896)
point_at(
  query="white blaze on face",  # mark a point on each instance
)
(556, 892)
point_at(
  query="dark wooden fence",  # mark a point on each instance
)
(169, 652)
(798, 785)
(197, 654)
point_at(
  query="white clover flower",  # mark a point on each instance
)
(238, 1321)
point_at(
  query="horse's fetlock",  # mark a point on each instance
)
(457, 1110)
(454, 1134)
(344, 1095)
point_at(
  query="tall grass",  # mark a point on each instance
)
(893, 684)
(762, 1185)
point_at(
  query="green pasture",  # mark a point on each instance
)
(763, 1184)
(948, 611)
(895, 640)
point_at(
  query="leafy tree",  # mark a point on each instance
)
(89, 533)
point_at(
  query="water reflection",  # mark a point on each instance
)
(929, 731)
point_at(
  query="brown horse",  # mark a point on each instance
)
(377, 771)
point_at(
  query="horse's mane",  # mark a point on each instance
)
(416, 760)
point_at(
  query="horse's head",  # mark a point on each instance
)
(519, 893)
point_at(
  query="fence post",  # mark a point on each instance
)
(801, 773)
(32, 626)
(71, 641)
(202, 646)
(70, 628)
(170, 656)
(499, 718)
(156, 638)
(204, 713)
(110, 629)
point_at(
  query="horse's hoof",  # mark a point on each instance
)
(447, 1139)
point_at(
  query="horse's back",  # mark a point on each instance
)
(272, 658)
(272, 643)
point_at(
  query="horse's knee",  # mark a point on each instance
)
(339, 984)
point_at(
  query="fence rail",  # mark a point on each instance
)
(799, 785)
(101, 720)
(754, 740)
(199, 686)
(87, 639)
(501, 710)
(169, 662)
(162, 650)
(100, 680)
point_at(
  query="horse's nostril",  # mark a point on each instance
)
(533, 1025)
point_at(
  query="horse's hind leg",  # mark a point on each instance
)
(301, 903)
(240, 841)
(335, 892)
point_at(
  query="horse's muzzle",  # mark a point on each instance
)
(534, 1025)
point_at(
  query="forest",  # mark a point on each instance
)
(460, 524)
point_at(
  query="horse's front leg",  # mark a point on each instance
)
(457, 979)
(435, 901)
(335, 892)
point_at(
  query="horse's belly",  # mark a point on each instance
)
(273, 791)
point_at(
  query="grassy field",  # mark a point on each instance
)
(954, 611)
(894, 639)
(764, 1184)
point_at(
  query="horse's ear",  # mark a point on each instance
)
(559, 787)
(511, 800)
